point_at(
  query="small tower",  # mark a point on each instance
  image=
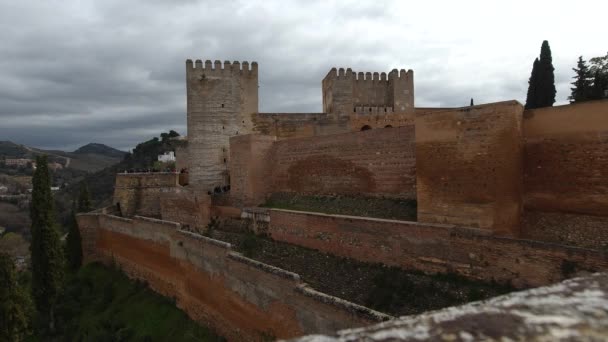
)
(345, 90)
(221, 100)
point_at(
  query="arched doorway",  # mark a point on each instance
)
(365, 128)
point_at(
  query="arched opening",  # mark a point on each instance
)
(365, 128)
(388, 126)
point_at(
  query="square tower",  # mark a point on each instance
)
(220, 103)
(345, 90)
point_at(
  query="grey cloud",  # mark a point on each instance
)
(75, 72)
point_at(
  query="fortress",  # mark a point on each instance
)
(502, 195)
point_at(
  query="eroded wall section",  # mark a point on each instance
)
(373, 163)
(140, 193)
(241, 298)
(468, 166)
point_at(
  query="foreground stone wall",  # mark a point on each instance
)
(574, 310)
(469, 167)
(473, 253)
(140, 193)
(241, 298)
(373, 163)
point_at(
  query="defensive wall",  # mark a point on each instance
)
(469, 167)
(433, 248)
(495, 167)
(566, 174)
(240, 298)
(140, 193)
(373, 163)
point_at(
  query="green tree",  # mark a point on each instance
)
(14, 304)
(73, 244)
(531, 98)
(541, 88)
(599, 70)
(84, 199)
(582, 82)
(46, 253)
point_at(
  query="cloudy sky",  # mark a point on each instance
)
(110, 71)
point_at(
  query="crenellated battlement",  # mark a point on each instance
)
(370, 110)
(348, 73)
(218, 68)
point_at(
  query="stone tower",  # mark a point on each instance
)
(344, 91)
(220, 104)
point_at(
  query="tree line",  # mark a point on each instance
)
(51, 261)
(590, 80)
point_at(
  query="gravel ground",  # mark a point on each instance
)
(387, 289)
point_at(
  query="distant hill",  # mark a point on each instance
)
(101, 149)
(91, 157)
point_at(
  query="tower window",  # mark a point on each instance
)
(222, 105)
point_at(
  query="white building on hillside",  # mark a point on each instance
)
(167, 157)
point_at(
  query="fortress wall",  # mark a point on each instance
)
(565, 174)
(377, 118)
(240, 298)
(566, 158)
(468, 166)
(433, 248)
(298, 125)
(374, 162)
(251, 168)
(139, 193)
(189, 208)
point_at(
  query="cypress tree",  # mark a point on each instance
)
(46, 252)
(541, 86)
(73, 244)
(582, 82)
(531, 97)
(546, 85)
(14, 304)
(84, 199)
(472, 102)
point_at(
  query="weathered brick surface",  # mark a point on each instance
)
(189, 208)
(140, 193)
(241, 298)
(566, 158)
(468, 166)
(434, 248)
(376, 162)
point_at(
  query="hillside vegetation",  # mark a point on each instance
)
(101, 304)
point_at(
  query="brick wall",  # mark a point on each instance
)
(375, 162)
(566, 158)
(473, 253)
(140, 193)
(240, 298)
(565, 168)
(189, 208)
(468, 166)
